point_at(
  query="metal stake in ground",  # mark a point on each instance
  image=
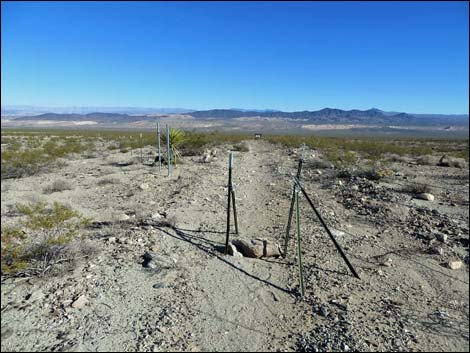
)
(141, 156)
(299, 248)
(234, 210)
(229, 196)
(168, 156)
(338, 247)
(291, 210)
(159, 151)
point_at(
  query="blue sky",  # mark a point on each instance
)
(397, 56)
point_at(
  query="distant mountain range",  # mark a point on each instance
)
(338, 116)
(334, 116)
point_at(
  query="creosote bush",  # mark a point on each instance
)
(58, 186)
(241, 147)
(42, 238)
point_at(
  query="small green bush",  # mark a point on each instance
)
(41, 239)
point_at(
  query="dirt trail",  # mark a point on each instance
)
(244, 304)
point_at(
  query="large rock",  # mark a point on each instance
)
(446, 161)
(454, 265)
(257, 248)
(232, 250)
(425, 196)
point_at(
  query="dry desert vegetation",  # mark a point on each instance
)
(102, 251)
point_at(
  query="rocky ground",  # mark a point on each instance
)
(187, 295)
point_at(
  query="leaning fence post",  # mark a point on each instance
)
(229, 196)
(299, 248)
(338, 247)
(291, 210)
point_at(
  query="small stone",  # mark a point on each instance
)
(319, 172)
(324, 311)
(437, 250)
(387, 262)
(123, 217)
(337, 233)
(355, 188)
(80, 302)
(157, 216)
(37, 295)
(454, 265)
(425, 196)
(111, 239)
(144, 186)
(441, 237)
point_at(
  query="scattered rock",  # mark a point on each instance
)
(156, 262)
(257, 248)
(324, 311)
(425, 196)
(446, 161)
(144, 186)
(80, 302)
(441, 237)
(232, 250)
(35, 296)
(387, 262)
(123, 217)
(455, 265)
(157, 216)
(436, 250)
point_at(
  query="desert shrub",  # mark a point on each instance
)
(340, 158)
(319, 163)
(42, 240)
(176, 138)
(396, 158)
(241, 147)
(40, 156)
(416, 188)
(58, 186)
(112, 147)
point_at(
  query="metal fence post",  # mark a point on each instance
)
(168, 149)
(291, 210)
(229, 196)
(299, 248)
(159, 150)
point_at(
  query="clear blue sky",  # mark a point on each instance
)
(396, 56)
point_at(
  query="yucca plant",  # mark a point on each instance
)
(176, 139)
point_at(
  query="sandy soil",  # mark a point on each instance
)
(197, 299)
